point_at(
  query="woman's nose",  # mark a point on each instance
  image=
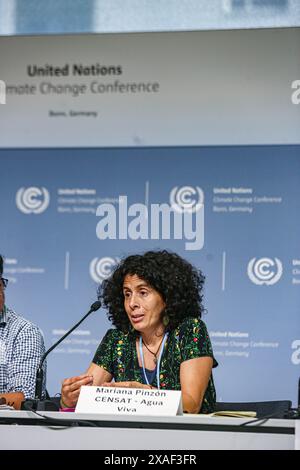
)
(133, 302)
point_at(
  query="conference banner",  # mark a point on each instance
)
(113, 145)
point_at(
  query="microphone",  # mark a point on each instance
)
(38, 403)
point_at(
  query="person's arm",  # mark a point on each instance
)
(24, 361)
(95, 375)
(127, 384)
(13, 399)
(194, 378)
(197, 363)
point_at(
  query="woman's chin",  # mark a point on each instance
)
(138, 327)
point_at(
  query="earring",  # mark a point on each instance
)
(166, 320)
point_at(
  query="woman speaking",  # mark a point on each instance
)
(159, 341)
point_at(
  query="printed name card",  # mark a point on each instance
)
(129, 401)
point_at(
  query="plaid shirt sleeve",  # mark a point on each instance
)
(27, 352)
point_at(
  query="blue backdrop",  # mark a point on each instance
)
(250, 256)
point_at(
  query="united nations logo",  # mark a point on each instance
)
(101, 268)
(264, 271)
(187, 199)
(32, 200)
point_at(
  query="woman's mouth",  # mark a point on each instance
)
(137, 318)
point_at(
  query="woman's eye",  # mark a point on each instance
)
(144, 292)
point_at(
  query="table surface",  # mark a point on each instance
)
(26, 430)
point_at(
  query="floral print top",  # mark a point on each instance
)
(117, 354)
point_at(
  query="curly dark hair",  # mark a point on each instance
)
(179, 283)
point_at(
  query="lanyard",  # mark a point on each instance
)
(158, 362)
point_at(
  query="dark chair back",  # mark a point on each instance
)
(276, 409)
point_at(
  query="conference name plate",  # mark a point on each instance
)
(129, 401)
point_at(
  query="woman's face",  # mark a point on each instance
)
(143, 304)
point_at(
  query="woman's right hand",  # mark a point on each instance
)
(71, 388)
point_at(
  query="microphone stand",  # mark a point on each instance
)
(47, 405)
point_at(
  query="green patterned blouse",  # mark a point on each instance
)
(117, 354)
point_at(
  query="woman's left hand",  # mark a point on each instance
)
(129, 384)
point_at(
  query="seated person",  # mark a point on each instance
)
(155, 302)
(21, 349)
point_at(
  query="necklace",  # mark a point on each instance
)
(154, 353)
(158, 361)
